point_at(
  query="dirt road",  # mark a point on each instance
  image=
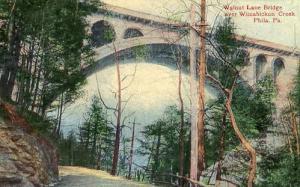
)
(82, 177)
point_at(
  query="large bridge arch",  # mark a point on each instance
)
(123, 44)
(160, 50)
(163, 53)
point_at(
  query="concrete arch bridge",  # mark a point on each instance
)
(130, 29)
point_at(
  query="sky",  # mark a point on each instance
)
(287, 32)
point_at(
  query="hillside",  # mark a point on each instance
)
(26, 158)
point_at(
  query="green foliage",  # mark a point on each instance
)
(97, 136)
(68, 149)
(53, 34)
(224, 36)
(94, 145)
(279, 169)
(255, 108)
(140, 52)
(227, 44)
(296, 92)
(123, 158)
(229, 54)
(252, 112)
(102, 33)
(41, 125)
(252, 109)
(161, 145)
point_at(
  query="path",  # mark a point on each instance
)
(83, 177)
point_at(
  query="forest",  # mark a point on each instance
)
(45, 49)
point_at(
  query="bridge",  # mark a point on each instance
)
(131, 29)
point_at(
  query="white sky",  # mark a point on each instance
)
(283, 33)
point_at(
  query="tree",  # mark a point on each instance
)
(161, 145)
(201, 99)
(51, 37)
(10, 18)
(227, 50)
(254, 117)
(97, 136)
(121, 102)
(119, 117)
(296, 92)
(280, 167)
(193, 93)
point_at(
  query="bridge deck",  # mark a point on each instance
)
(146, 18)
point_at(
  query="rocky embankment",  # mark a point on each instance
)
(26, 158)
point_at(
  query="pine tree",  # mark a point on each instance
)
(97, 136)
(161, 145)
(51, 36)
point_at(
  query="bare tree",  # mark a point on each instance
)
(119, 113)
(120, 107)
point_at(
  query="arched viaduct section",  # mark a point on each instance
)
(132, 29)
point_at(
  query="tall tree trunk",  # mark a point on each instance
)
(202, 72)
(20, 94)
(119, 113)
(99, 157)
(57, 130)
(131, 150)
(35, 94)
(193, 98)
(8, 77)
(181, 127)
(28, 75)
(94, 143)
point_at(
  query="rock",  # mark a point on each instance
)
(26, 158)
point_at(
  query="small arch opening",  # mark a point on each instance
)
(278, 66)
(102, 33)
(260, 63)
(132, 33)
